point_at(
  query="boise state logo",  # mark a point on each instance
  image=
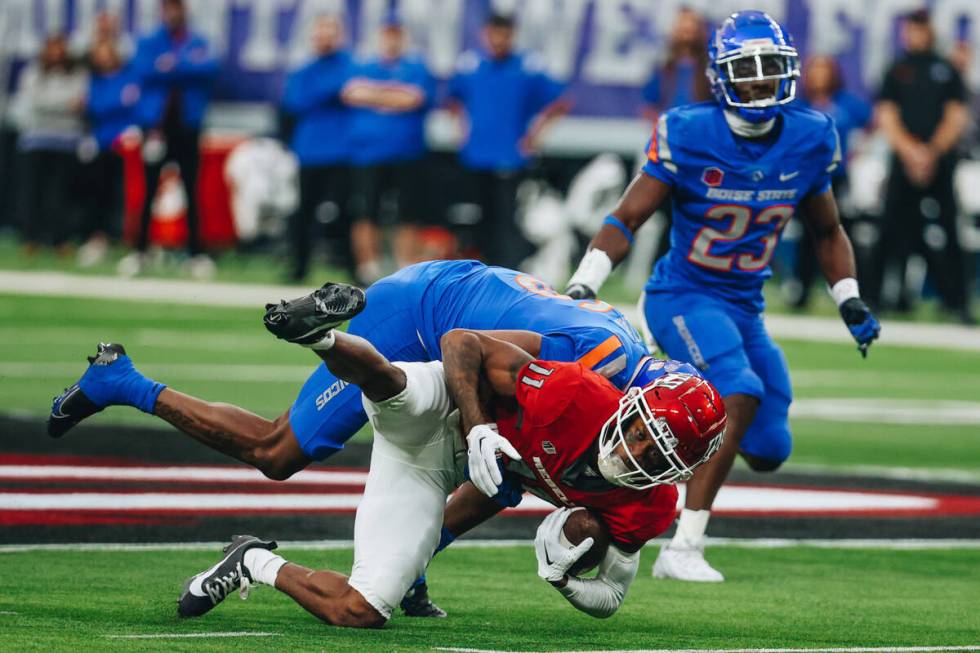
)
(712, 176)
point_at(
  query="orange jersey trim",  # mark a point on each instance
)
(608, 346)
(652, 150)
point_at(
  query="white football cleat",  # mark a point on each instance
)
(685, 563)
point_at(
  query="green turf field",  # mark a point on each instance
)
(793, 597)
(224, 354)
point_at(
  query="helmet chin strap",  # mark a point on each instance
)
(745, 128)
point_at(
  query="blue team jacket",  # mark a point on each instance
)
(381, 137)
(312, 95)
(112, 104)
(192, 76)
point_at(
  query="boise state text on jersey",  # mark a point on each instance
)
(731, 197)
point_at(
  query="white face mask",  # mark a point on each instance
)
(612, 466)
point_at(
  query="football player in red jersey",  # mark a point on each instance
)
(612, 452)
(575, 440)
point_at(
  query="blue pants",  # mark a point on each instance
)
(733, 350)
(328, 411)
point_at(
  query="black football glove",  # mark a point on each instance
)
(579, 291)
(861, 322)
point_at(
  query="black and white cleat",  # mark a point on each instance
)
(418, 604)
(306, 320)
(210, 587)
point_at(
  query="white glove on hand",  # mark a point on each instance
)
(554, 557)
(485, 446)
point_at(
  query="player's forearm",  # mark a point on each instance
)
(462, 362)
(950, 128)
(836, 256)
(891, 124)
(601, 596)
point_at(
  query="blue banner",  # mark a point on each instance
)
(605, 49)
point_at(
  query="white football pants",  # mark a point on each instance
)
(417, 459)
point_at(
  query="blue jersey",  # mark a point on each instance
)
(408, 313)
(731, 197)
(470, 295)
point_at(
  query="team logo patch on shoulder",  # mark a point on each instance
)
(712, 176)
(548, 447)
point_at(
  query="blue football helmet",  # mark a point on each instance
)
(749, 46)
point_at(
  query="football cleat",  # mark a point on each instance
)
(73, 405)
(685, 564)
(418, 604)
(210, 587)
(306, 320)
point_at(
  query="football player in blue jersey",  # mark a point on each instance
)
(735, 170)
(405, 317)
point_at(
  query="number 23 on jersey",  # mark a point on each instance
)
(741, 220)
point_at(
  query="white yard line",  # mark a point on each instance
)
(333, 545)
(887, 411)
(790, 327)
(942, 475)
(854, 649)
(236, 633)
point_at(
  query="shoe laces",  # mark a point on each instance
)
(220, 586)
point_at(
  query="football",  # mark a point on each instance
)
(583, 523)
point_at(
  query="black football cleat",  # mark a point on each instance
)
(306, 320)
(207, 589)
(418, 604)
(74, 405)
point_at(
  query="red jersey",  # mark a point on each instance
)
(561, 407)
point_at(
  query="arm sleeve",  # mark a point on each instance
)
(601, 596)
(196, 63)
(308, 91)
(660, 158)
(889, 87)
(955, 90)
(546, 91)
(651, 91)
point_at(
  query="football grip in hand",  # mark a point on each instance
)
(484, 447)
(554, 558)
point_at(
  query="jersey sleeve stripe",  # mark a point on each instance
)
(606, 347)
(652, 148)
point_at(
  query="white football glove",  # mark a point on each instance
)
(485, 446)
(555, 557)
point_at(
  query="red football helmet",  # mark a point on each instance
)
(683, 413)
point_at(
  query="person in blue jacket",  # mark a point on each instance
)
(176, 70)
(823, 91)
(508, 101)
(320, 139)
(113, 94)
(390, 96)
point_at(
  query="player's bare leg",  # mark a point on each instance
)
(112, 380)
(325, 594)
(267, 445)
(683, 558)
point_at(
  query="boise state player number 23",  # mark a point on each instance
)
(735, 170)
